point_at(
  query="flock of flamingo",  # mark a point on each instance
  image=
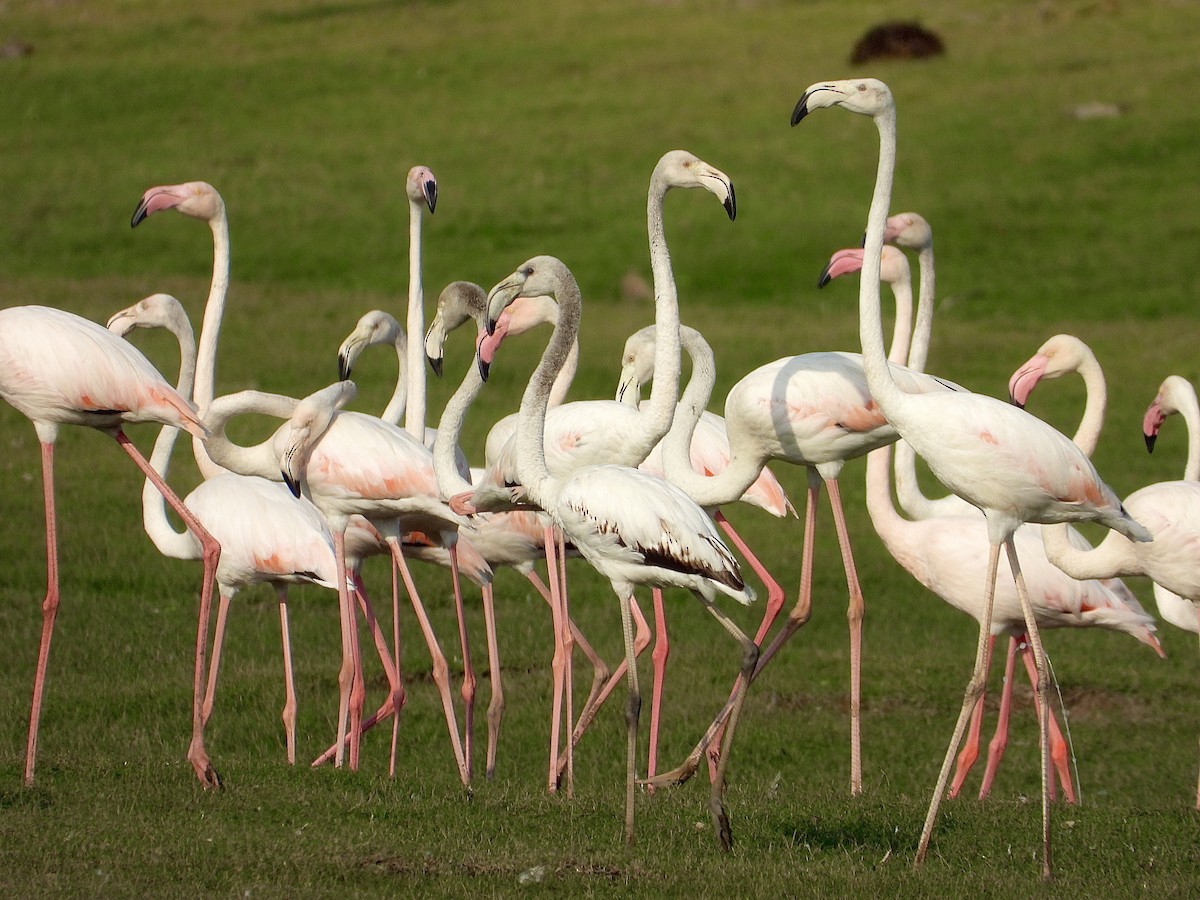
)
(634, 488)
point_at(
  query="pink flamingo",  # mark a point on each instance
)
(1170, 510)
(635, 529)
(58, 369)
(946, 553)
(1011, 465)
(266, 535)
(356, 465)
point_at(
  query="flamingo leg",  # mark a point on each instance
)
(495, 710)
(970, 697)
(440, 669)
(469, 682)
(346, 672)
(600, 670)
(398, 686)
(799, 615)
(774, 606)
(1041, 691)
(289, 679)
(211, 555)
(662, 651)
(49, 609)
(1059, 754)
(396, 697)
(568, 644)
(1000, 738)
(633, 708)
(557, 662)
(716, 803)
(214, 663)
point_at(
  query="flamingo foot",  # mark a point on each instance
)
(676, 776)
(209, 779)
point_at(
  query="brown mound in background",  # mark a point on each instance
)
(897, 40)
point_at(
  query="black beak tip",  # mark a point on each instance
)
(139, 214)
(731, 204)
(484, 368)
(292, 484)
(1015, 402)
(1150, 439)
(431, 194)
(435, 363)
(800, 111)
(343, 369)
(824, 279)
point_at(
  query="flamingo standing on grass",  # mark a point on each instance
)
(59, 369)
(1011, 465)
(635, 529)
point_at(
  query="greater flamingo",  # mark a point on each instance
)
(356, 465)
(1011, 465)
(635, 529)
(57, 369)
(267, 536)
(1170, 510)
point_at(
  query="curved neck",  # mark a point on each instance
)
(1113, 558)
(1088, 434)
(414, 417)
(168, 541)
(870, 327)
(923, 329)
(656, 413)
(1190, 410)
(744, 467)
(394, 411)
(562, 382)
(259, 459)
(902, 330)
(210, 333)
(531, 451)
(884, 516)
(445, 461)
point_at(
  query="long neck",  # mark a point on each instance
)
(414, 418)
(923, 329)
(531, 427)
(170, 543)
(1113, 558)
(445, 467)
(1088, 434)
(887, 521)
(259, 459)
(902, 330)
(657, 412)
(396, 405)
(1190, 410)
(870, 326)
(210, 333)
(562, 383)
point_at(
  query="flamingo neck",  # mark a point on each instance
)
(532, 470)
(259, 459)
(656, 413)
(870, 326)
(394, 411)
(445, 467)
(902, 329)
(1190, 410)
(210, 333)
(562, 382)
(884, 516)
(169, 542)
(923, 328)
(1087, 435)
(414, 416)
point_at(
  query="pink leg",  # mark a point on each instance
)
(558, 663)
(346, 672)
(49, 609)
(568, 643)
(1059, 755)
(970, 751)
(1000, 739)
(600, 670)
(495, 711)
(468, 683)
(397, 687)
(289, 677)
(796, 619)
(211, 555)
(773, 607)
(440, 670)
(662, 651)
(214, 663)
(396, 698)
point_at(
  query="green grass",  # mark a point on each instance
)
(542, 122)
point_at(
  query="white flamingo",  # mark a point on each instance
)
(1009, 464)
(633, 528)
(59, 369)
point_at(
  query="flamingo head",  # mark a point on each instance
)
(374, 327)
(312, 417)
(679, 168)
(868, 96)
(1173, 392)
(155, 311)
(908, 230)
(1061, 355)
(197, 199)
(421, 187)
(537, 277)
(637, 365)
(459, 302)
(893, 265)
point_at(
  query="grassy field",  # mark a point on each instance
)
(542, 122)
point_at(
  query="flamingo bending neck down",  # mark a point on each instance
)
(59, 369)
(1035, 474)
(616, 516)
